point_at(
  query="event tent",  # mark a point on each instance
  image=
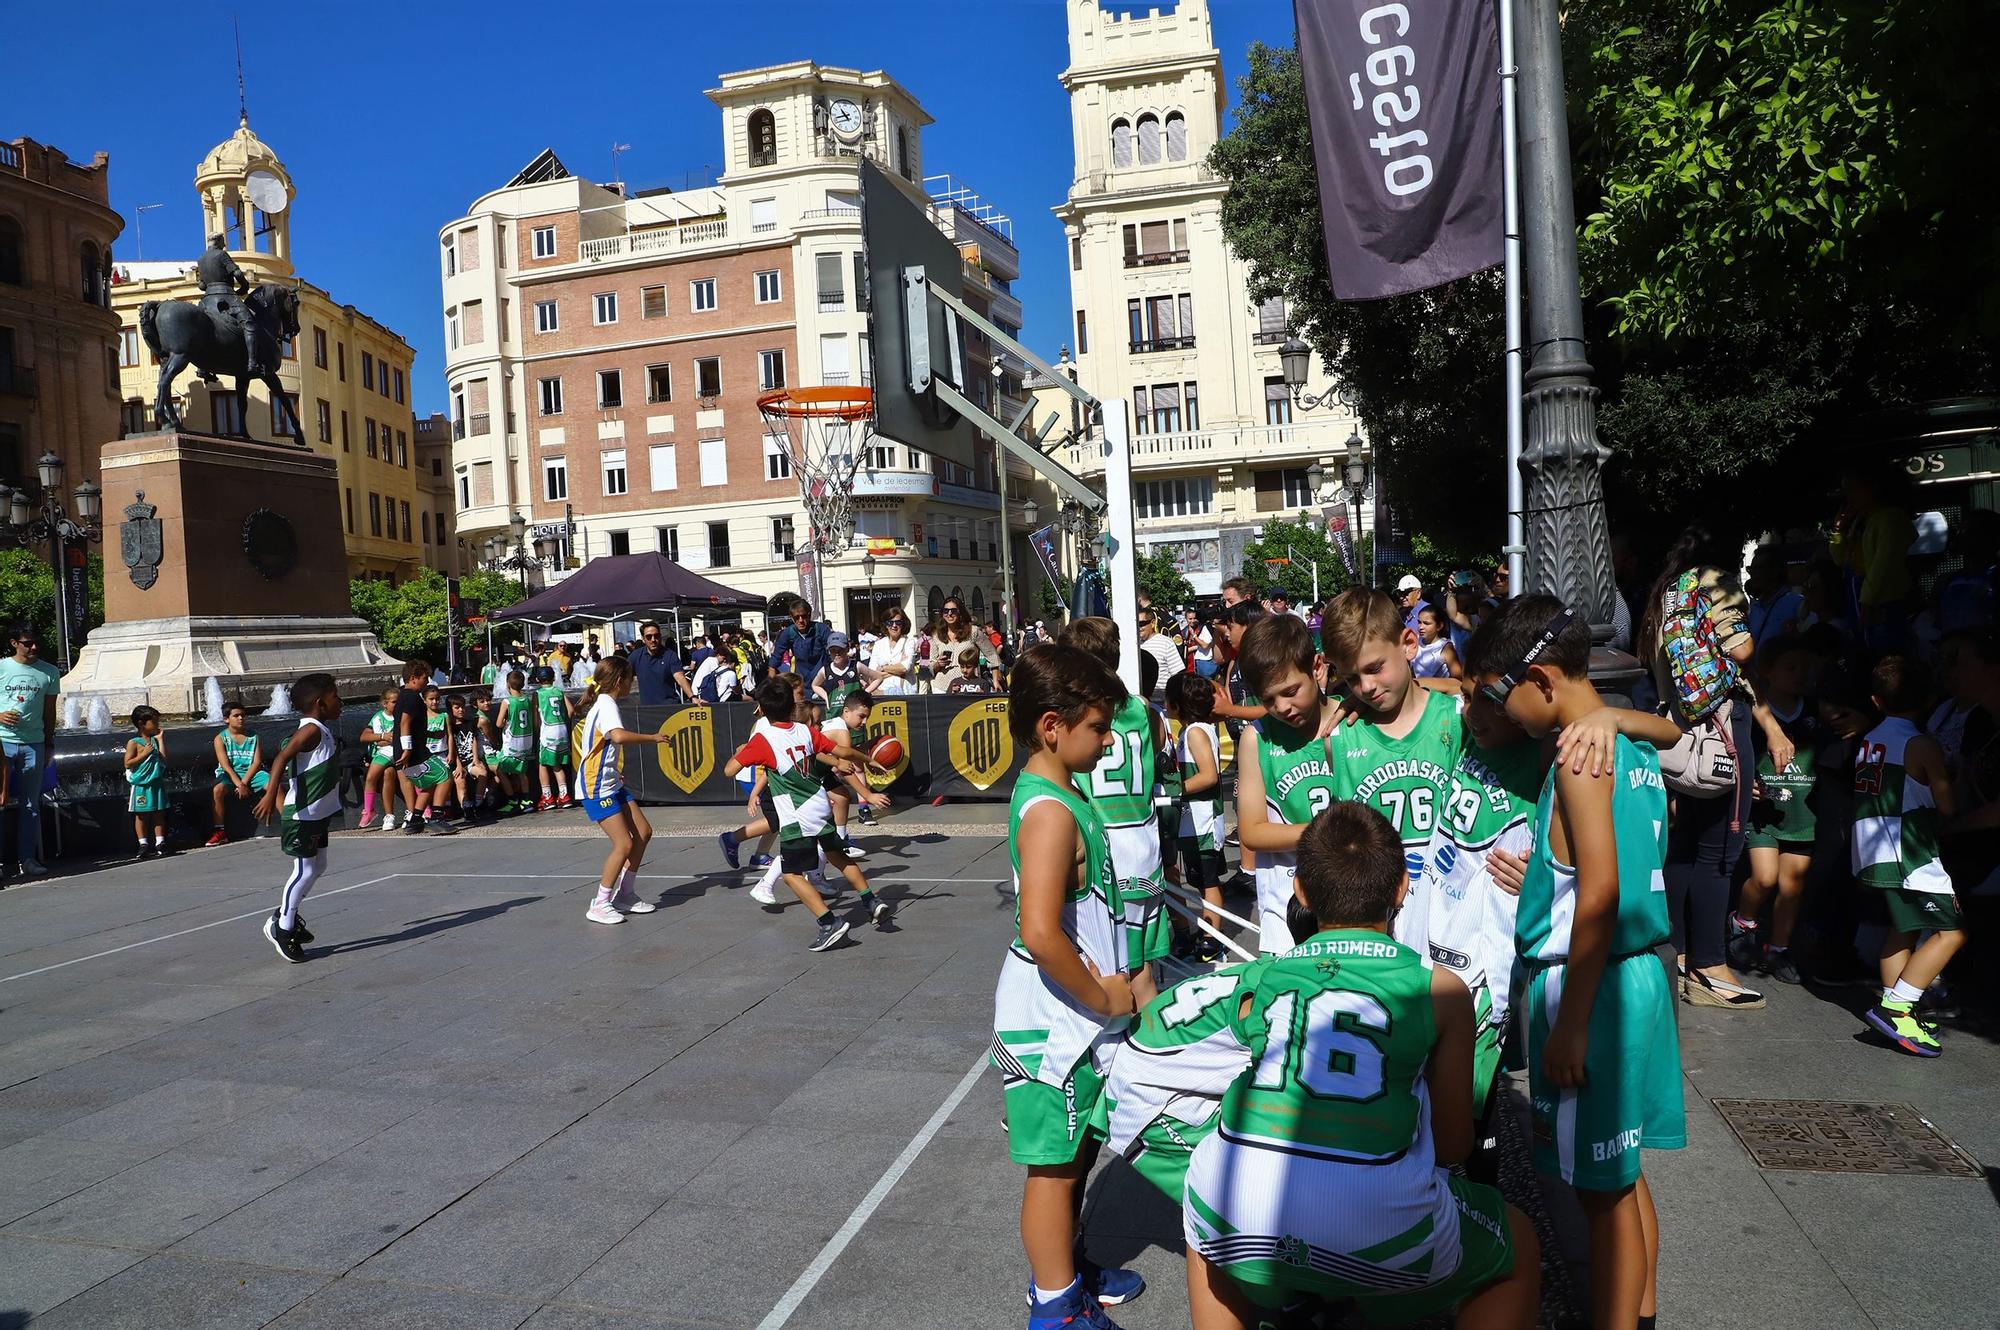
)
(620, 586)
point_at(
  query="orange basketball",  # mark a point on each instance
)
(886, 752)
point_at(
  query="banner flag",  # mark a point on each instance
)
(1044, 542)
(1405, 107)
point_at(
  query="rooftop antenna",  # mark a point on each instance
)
(139, 221)
(242, 106)
(617, 148)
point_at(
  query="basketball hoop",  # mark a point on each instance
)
(826, 432)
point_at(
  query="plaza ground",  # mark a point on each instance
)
(473, 1109)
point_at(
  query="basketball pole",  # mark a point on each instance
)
(1121, 544)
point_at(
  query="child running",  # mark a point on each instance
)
(1063, 1001)
(1902, 790)
(239, 766)
(788, 751)
(1327, 1174)
(309, 802)
(146, 773)
(553, 709)
(600, 785)
(1603, 1051)
(380, 784)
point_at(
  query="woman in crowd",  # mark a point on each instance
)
(892, 661)
(952, 632)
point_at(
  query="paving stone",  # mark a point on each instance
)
(329, 1219)
(711, 1263)
(646, 1155)
(177, 1111)
(795, 1168)
(167, 1290)
(35, 1276)
(158, 1202)
(352, 1301)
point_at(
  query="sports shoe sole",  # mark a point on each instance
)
(271, 934)
(879, 912)
(831, 939)
(1888, 1031)
(634, 906)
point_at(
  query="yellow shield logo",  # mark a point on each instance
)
(889, 716)
(686, 750)
(981, 748)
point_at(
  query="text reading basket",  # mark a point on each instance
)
(826, 432)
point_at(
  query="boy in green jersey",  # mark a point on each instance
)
(1398, 759)
(1063, 1002)
(239, 766)
(1603, 1052)
(1122, 786)
(553, 710)
(304, 794)
(1283, 776)
(146, 774)
(517, 740)
(1327, 1175)
(1782, 823)
(1902, 793)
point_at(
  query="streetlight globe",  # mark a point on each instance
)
(1354, 445)
(518, 525)
(88, 499)
(51, 470)
(868, 565)
(1315, 476)
(1029, 512)
(1293, 357)
(20, 511)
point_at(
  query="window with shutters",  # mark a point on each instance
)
(662, 470)
(1142, 415)
(1177, 144)
(718, 544)
(550, 393)
(1190, 406)
(1076, 253)
(368, 433)
(555, 479)
(832, 291)
(1166, 408)
(1271, 321)
(1161, 323)
(777, 457)
(374, 514)
(714, 461)
(1082, 334)
(1149, 140)
(613, 467)
(669, 538)
(1188, 496)
(368, 361)
(281, 425)
(404, 506)
(770, 370)
(323, 420)
(1121, 143)
(319, 348)
(1277, 401)
(652, 302)
(763, 215)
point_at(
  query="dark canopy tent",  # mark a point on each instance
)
(618, 586)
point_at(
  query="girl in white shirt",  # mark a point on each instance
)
(600, 788)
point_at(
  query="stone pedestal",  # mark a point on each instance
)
(225, 558)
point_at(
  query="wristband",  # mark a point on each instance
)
(409, 742)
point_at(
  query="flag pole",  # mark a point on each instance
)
(1510, 151)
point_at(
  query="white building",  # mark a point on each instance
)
(1162, 316)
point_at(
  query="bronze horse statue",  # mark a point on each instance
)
(180, 334)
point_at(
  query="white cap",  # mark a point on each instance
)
(1410, 582)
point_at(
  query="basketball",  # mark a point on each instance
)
(886, 751)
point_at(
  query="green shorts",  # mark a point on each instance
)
(511, 764)
(302, 840)
(1151, 939)
(382, 759)
(1485, 1254)
(257, 781)
(1590, 1136)
(1784, 818)
(554, 757)
(1163, 1149)
(1915, 911)
(1486, 1044)
(428, 774)
(150, 797)
(1048, 1124)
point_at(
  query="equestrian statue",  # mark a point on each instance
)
(237, 329)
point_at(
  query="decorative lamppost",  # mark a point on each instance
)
(1294, 359)
(517, 555)
(29, 521)
(868, 571)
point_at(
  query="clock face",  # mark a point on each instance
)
(845, 117)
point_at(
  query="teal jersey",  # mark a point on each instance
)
(1402, 779)
(242, 753)
(1639, 825)
(1339, 1030)
(150, 769)
(1121, 784)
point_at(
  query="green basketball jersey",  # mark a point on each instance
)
(549, 700)
(241, 752)
(1789, 790)
(1298, 778)
(313, 791)
(1895, 841)
(1098, 880)
(517, 725)
(1639, 825)
(1402, 779)
(1179, 1056)
(1169, 764)
(1121, 784)
(383, 722)
(435, 723)
(1338, 1030)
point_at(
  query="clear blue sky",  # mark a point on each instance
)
(393, 117)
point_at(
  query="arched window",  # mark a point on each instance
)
(1149, 140)
(12, 270)
(978, 609)
(93, 275)
(935, 603)
(763, 138)
(1176, 137)
(1121, 143)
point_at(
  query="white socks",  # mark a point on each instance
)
(305, 873)
(1903, 992)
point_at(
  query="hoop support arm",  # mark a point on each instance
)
(1053, 471)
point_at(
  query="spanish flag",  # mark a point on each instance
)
(881, 544)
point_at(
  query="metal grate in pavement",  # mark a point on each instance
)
(1834, 1136)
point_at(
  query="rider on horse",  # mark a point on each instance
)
(223, 285)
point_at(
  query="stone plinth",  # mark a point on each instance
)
(239, 572)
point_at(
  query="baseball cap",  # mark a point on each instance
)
(1409, 582)
(836, 640)
(1276, 593)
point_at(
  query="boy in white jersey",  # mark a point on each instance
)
(1063, 1000)
(310, 800)
(790, 752)
(1327, 1175)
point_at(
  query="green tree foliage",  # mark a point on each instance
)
(1160, 577)
(1780, 234)
(411, 618)
(1304, 542)
(28, 593)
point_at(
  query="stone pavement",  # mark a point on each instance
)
(473, 1109)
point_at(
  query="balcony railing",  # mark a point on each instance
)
(1273, 336)
(1162, 344)
(832, 300)
(1214, 447)
(482, 423)
(10, 157)
(16, 380)
(837, 211)
(1155, 257)
(661, 241)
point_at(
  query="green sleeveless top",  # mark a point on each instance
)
(1298, 778)
(241, 754)
(1639, 824)
(549, 700)
(1402, 779)
(1121, 784)
(1339, 1030)
(150, 770)
(1098, 879)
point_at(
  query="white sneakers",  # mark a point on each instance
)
(388, 822)
(631, 903)
(601, 913)
(765, 893)
(852, 851)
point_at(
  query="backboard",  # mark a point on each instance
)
(897, 233)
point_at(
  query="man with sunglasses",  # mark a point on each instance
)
(662, 678)
(802, 643)
(28, 688)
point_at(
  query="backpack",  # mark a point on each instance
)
(1702, 676)
(704, 679)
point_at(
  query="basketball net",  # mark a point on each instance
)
(826, 432)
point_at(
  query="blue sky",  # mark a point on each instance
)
(393, 118)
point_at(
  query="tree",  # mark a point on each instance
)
(1303, 543)
(28, 593)
(1159, 576)
(411, 618)
(1777, 238)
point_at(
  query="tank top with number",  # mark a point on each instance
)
(1179, 1056)
(1895, 818)
(1402, 779)
(1639, 827)
(1298, 783)
(1121, 784)
(1201, 814)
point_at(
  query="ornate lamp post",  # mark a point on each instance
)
(868, 571)
(514, 556)
(1294, 359)
(29, 521)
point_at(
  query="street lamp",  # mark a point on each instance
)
(510, 553)
(27, 522)
(868, 571)
(1295, 359)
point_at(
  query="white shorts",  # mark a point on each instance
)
(1135, 857)
(1275, 875)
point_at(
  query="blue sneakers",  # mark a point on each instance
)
(1074, 1310)
(727, 840)
(1112, 1288)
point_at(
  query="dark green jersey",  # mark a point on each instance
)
(1121, 784)
(1783, 809)
(1402, 779)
